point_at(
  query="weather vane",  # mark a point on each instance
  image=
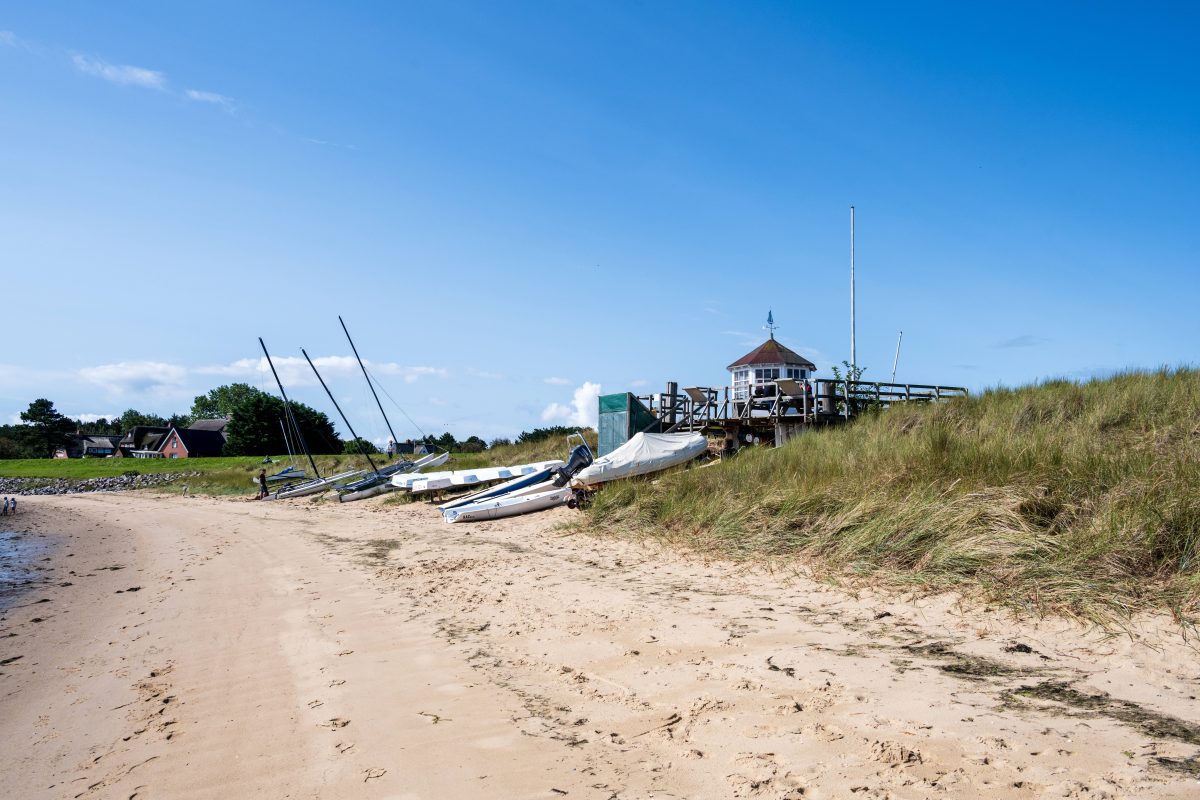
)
(771, 326)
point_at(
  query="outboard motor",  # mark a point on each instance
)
(581, 456)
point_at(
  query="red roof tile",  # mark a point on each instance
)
(772, 352)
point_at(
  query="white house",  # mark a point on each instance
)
(753, 374)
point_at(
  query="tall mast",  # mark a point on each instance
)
(287, 408)
(288, 445)
(339, 410)
(853, 356)
(370, 385)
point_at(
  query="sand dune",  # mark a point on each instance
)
(192, 647)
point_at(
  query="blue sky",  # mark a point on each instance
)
(513, 204)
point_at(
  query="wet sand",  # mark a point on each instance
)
(194, 647)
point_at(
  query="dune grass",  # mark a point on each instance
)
(1069, 498)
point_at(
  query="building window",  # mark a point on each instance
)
(741, 384)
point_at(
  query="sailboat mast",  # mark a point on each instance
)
(339, 410)
(288, 445)
(370, 385)
(287, 408)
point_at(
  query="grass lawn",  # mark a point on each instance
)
(233, 475)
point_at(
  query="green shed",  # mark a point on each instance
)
(621, 416)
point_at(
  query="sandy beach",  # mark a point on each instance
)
(197, 647)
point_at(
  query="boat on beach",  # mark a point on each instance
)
(315, 486)
(538, 491)
(284, 475)
(540, 497)
(510, 487)
(381, 481)
(643, 454)
(435, 481)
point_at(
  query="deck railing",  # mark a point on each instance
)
(821, 400)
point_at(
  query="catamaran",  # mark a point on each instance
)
(317, 484)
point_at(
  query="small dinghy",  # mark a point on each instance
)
(507, 488)
(643, 454)
(544, 489)
(542, 496)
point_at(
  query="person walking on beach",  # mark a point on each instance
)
(262, 484)
(12, 510)
(4, 513)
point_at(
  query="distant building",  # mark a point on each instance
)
(217, 425)
(192, 442)
(87, 446)
(753, 374)
(141, 441)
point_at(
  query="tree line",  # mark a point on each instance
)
(253, 429)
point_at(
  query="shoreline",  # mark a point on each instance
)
(214, 648)
(23, 553)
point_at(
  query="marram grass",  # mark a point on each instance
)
(1068, 498)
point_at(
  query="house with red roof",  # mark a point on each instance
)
(753, 374)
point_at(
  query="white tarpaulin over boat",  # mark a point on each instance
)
(642, 454)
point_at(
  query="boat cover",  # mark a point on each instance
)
(642, 454)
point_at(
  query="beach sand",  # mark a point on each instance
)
(209, 648)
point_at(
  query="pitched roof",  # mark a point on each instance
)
(217, 424)
(198, 442)
(772, 352)
(99, 442)
(139, 437)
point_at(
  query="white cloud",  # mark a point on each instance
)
(557, 381)
(486, 375)
(411, 374)
(210, 97)
(324, 143)
(9, 38)
(135, 376)
(13, 376)
(92, 417)
(745, 338)
(294, 370)
(123, 74)
(583, 411)
(639, 383)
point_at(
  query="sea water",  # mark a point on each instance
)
(20, 564)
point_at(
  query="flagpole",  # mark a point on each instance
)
(853, 355)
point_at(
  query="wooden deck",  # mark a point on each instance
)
(789, 408)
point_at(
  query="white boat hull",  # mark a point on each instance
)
(508, 488)
(311, 487)
(370, 491)
(643, 454)
(433, 481)
(510, 506)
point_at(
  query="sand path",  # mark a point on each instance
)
(192, 647)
